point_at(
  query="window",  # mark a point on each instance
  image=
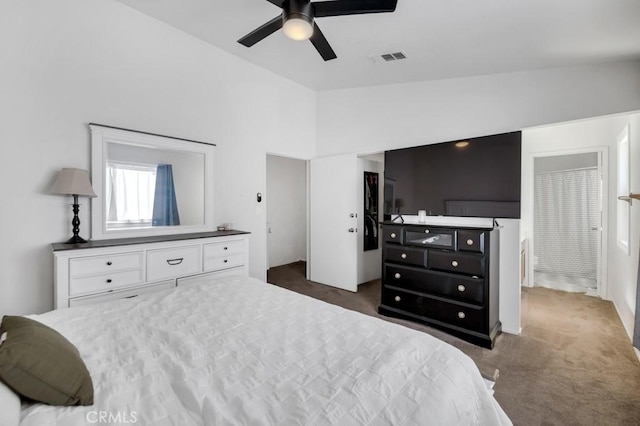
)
(622, 206)
(132, 205)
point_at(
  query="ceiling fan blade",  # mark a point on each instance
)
(352, 7)
(276, 2)
(259, 33)
(322, 45)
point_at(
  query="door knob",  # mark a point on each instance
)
(353, 230)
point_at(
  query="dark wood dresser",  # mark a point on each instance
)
(446, 277)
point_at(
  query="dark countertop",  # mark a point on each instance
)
(142, 240)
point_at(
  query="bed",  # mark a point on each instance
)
(236, 350)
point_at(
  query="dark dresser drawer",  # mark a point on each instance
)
(471, 241)
(392, 234)
(458, 287)
(424, 236)
(408, 255)
(461, 315)
(461, 263)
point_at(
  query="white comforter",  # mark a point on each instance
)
(239, 351)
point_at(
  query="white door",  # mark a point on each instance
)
(333, 206)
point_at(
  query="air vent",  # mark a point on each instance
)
(388, 57)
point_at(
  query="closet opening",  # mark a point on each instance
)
(287, 216)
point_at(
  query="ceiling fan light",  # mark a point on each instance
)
(298, 28)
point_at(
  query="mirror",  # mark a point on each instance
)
(149, 184)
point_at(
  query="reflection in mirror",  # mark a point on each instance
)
(149, 184)
(147, 187)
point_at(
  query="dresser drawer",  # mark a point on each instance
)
(210, 276)
(430, 237)
(173, 262)
(471, 241)
(226, 262)
(459, 287)
(410, 256)
(104, 282)
(392, 234)
(461, 315)
(104, 264)
(223, 249)
(462, 263)
(123, 294)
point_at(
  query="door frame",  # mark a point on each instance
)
(603, 167)
(266, 198)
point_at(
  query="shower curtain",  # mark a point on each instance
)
(566, 209)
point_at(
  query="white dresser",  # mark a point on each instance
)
(128, 267)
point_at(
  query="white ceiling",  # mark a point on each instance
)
(442, 38)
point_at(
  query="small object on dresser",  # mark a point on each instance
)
(228, 226)
(74, 182)
(422, 216)
(221, 228)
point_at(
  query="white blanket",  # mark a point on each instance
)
(240, 351)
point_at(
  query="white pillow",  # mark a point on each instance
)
(10, 403)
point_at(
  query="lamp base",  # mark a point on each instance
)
(75, 240)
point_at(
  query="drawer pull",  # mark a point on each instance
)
(226, 248)
(469, 242)
(109, 280)
(393, 235)
(397, 298)
(403, 255)
(454, 263)
(461, 288)
(426, 231)
(130, 297)
(109, 263)
(174, 262)
(461, 315)
(225, 261)
(397, 275)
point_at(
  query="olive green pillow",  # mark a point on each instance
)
(38, 363)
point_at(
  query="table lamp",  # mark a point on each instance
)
(74, 182)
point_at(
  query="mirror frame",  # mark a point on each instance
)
(101, 136)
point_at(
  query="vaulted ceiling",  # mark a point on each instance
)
(441, 38)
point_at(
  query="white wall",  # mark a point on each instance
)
(620, 270)
(565, 162)
(375, 119)
(509, 284)
(286, 201)
(71, 62)
(623, 268)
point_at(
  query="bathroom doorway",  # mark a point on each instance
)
(568, 222)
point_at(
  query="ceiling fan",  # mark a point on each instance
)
(297, 20)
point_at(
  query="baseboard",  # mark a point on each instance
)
(624, 325)
(512, 331)
(627, 330)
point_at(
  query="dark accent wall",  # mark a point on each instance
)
(425, 177)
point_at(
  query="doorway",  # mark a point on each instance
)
(567, 222)
(286, 211)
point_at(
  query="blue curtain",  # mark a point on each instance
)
(165, 207)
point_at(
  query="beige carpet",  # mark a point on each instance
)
(572, 365)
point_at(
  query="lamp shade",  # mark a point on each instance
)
(73, 182)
